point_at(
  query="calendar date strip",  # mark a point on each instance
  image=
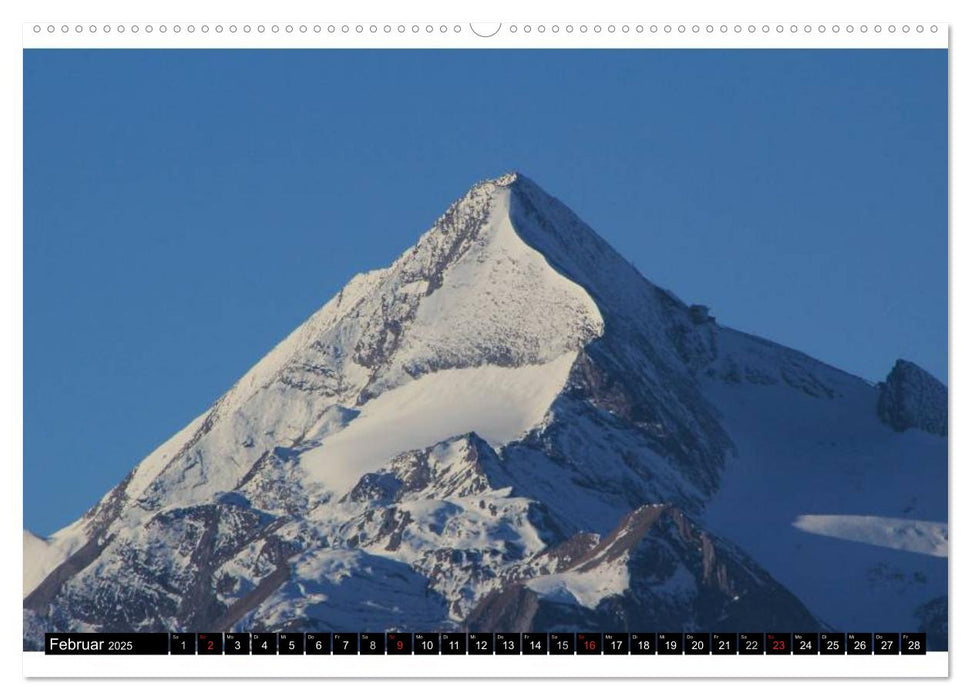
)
(485, 643)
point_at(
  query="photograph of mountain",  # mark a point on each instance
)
(511, 428)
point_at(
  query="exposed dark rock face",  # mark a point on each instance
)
(423, 473)
(700, 314)
(645, 362)
(167, 575)
(912, 398)
(679, 578)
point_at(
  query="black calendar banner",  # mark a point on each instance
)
(122, 644)
(488, 643)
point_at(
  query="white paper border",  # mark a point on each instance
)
(932, 665)
(484, 35)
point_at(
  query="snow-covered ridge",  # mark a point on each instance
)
(498, 301)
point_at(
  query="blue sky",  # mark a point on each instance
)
(183, 211)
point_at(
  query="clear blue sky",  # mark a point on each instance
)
(183, 211)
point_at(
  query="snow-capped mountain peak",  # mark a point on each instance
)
(508, 389)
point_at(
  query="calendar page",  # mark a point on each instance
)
(453, 348)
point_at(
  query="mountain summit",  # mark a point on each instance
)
(510, 427)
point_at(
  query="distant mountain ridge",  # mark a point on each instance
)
(509, 427)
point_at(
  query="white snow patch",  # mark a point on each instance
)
(921, 536)
(498, 403)
(587, 588)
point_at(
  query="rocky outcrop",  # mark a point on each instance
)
(656, 570)
(912, 398)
